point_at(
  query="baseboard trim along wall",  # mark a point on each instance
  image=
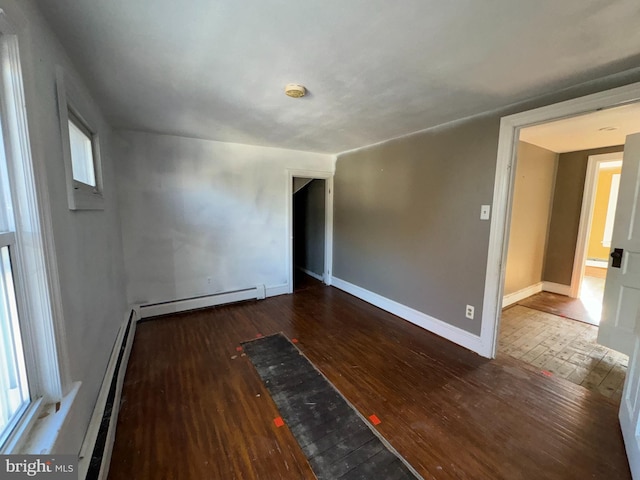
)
(175, 306)
(95, 454)
(597, 263)
(533, 289)
(521, 294)
(311, 274)
(556, 288)
(443, 329)
(278, 290)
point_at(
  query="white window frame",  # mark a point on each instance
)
(8, 239)
(35, 269)
(80, 196)
(87, 135)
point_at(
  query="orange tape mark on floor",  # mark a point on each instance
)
(278, 421)
(375, 420)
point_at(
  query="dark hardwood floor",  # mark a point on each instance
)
(194, 407)
(587, 308)
(560, 305)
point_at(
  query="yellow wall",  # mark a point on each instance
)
(596, 250)
(532, 193)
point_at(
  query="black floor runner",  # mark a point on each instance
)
(336, 440)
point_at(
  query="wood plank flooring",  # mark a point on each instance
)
(598, 272)
(194, 408)
(564, 347)
(562, 306)
(587, 308)
(337, 442)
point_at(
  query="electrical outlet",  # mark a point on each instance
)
(470, 311)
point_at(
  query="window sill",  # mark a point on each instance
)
(83, 200)
(40, 431)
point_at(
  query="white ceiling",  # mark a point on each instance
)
(592, 130)
(375, 69)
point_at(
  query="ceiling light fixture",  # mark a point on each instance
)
(294, 90)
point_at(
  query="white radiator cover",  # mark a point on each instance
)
(258, 292)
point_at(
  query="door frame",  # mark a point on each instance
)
(510, 127)
(328, 222)
(586, 216)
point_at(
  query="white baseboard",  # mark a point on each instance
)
(597, 263)
(443, 329)
(311, 274)
(533, 289)
(278, 290)
(556, 288)
(521, 294)
(116, 370)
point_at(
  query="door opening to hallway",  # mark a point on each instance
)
(562, 215)
(309, 226)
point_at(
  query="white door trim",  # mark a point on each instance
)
(328, 222)
(503, 192)
(586, 216)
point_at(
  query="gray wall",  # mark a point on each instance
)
(87, 243)
(530, 214)
(203, 217)
(407, 219)
(565, 213)
(407, 212)
(309, 219)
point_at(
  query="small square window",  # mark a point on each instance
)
(79, 124)
(82, 160)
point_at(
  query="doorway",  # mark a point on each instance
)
(598, 210)
(308, 231)
(554, 276)
(622, 293)
(510, 128)
(310, 227)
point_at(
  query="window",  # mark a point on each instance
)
(80, 145)
(33, 371)
(80, 139)
(15, 396)
(14, 389)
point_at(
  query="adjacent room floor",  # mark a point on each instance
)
(587, 308)
(543, 331)
(562, 347)
(194, 407)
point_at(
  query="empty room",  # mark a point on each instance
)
(267, 240)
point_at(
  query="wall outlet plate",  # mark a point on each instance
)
(470, 311)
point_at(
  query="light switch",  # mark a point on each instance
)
(485, 211)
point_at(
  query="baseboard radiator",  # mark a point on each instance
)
(95, 454)
(174, 306)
